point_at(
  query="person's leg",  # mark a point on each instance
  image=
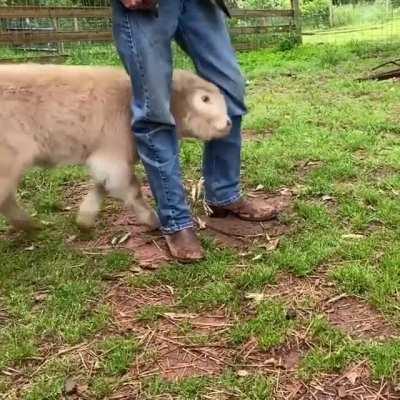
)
(143, 41)
(203, 34)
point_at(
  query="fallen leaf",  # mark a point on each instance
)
(285, 192)
(10, 371)
(353, 236)
(39, 297)
(294, 389)
(257, 297)
(337, 298)
(202, 224)
(46, 223)
(353, 374)
(180, 315)
(342, 392)
(135, 270)
(70, 385)
(120, 239)
(171, 289)
(271, 361)
(124, 238)
(259, 187)
(70, 239)
(257, 257)
(207, 208)
(30, 248)
(327, 198)
(272, 245)
(243, 373)
(82, 389)
(97, 365)
(313, 163)
(200, 186)
(193, 194)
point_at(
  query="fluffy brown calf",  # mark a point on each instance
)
(59, 115)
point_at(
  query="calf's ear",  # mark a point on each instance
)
(178, 78)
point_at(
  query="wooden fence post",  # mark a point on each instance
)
(297, 20)
(331, 16)
(60, 45)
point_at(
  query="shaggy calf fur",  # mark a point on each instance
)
(59, 115)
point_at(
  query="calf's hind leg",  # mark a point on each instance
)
(12, 166)
(16, 216)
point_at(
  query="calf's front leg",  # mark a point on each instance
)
(90, 207)
(116, 178)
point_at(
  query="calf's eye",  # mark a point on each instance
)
(205, 98)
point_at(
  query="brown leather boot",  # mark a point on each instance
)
(249, 210)
(185, 246)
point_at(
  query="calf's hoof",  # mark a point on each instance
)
(149, 219)
(26, 225)
(85, 221)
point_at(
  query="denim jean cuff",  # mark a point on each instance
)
(227, 202)
(176, 228)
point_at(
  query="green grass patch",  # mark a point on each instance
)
(270, 326)
(315, 129)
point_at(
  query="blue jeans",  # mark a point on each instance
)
(143, 41)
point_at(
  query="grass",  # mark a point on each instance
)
(270, 326)
(306, 108)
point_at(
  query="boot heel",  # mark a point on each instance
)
(218, 213)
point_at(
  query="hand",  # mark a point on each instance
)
(138, 4)
(131, 4)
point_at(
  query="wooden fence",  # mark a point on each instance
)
(24, 27)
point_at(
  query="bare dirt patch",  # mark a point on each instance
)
(179, 351)
(285, 358)
(150, 250)
(183, 345)
(180, 344)
(360, 320)
(123, 233)
(127, 303)
(295, 291)
(174, 359)
(354, 384)
(317, 294)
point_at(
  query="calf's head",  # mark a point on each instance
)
(199, 108)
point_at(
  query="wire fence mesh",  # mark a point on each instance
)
(362, 21)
